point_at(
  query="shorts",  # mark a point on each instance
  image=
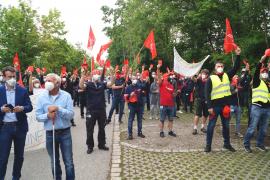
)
(200, 108)
(166, 111)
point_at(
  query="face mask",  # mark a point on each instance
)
(203, 76)
(36, 85)
(1, 78)
(11, 82)
(134, 81)
(264, 75)
(49, 86)
(219, 70)
(173, 76)
(64, 79)
(153, 76)
(96, 77)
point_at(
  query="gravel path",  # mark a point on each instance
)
(95, 166)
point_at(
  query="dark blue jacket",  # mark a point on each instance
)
(21, 99)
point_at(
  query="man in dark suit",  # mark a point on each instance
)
(14, 103)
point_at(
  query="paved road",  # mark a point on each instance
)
(87, 167)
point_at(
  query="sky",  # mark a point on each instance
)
(78, 15)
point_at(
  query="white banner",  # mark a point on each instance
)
(35, 138)
(184, 68)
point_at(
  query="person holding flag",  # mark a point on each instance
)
(218, 96)
(55, 110)
(260, 108)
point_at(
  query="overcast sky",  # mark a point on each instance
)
(78, 15)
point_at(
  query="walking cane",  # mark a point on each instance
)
(54, 168)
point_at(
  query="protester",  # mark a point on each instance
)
(218, 96)
(135, 100)
(167, 94)
(201, 110)
(2, 82)
(66, 85)
(188, 87)
(154, 97)
(35, 86)
(118, 96)
(260, 108)
(14, 103)
(96, 109)
(83, 97)
(75, 87)
(56, 106)
(235, 104)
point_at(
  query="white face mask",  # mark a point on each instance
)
(49, 86)
(203, 76)
(1, 78)
(64, 79)
(134, 81)
(153, 76)
(220, 70)
(36, 85)
(264, 75)
(11, 82)
(96, 77)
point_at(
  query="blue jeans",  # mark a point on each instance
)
(237, 112)
(258, 116)
(9, 133)
(117, 100)
(135, 109)
(212, 123)
(64, 142)
(166, 111)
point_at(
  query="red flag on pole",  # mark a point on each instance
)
(92, 64)
(91, 39)
(84, 64)
(229, 44)
(38, 70)
(108, 63)
(103, 48)
(126, 62)
(150, 44)
(16, 62)
(63, 70)
(44, 70)
(30, 69)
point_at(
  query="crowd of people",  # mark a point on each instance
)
(206, 95)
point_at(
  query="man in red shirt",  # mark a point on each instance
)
(167, 93)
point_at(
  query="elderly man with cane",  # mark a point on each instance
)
(55, 110)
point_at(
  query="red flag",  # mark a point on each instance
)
(101, 63)
(267, 52)
(63, 70)
(30, 68)
(108, 63)
(229, 44)
(91, 39)
(16, 62)
(38, 70)
(150, 44)
(92, 64)
(20, 81)
(84, 64)
(145, 74)
(103, 48)
(126, 62)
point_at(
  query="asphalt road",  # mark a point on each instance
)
(95, 166)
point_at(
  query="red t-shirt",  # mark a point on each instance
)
(166, 93)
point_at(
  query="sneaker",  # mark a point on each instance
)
(161, 134)
(104, 148)
(176, 116)
(203, 130)
(180, 112)
(171, 133)
(150, 118)
(261, 148)
(239, 135)
(247, 149)
(141, 135)
(207, 149)
(195, 131)
(89, 150)
(229, 147)
(130, 137)
(157, 118)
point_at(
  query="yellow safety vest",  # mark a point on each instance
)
(261, 93)
(220, 89)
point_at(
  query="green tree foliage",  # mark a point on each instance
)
(195, 27)
(39, 40)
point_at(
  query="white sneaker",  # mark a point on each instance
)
(150, 118)
(180, 112)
